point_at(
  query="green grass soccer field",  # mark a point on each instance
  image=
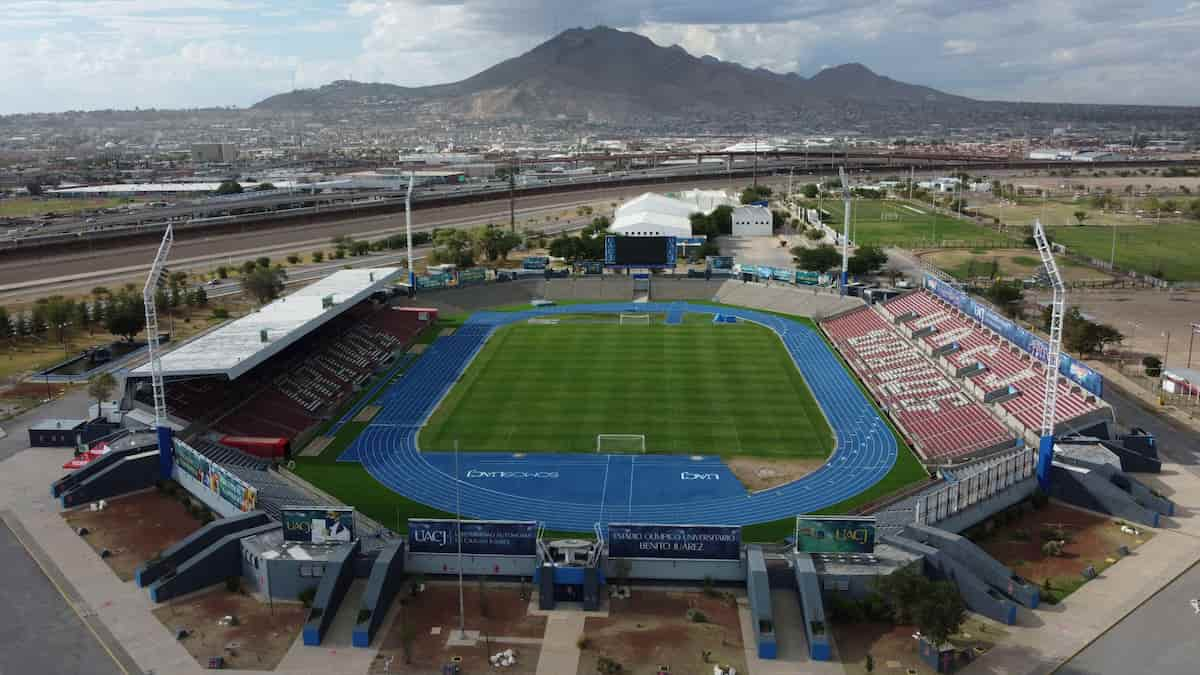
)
(907, 224)
(690, 388)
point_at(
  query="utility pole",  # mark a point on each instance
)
(512, 195)
(756, 162)
(1191, 339)
(412, 273)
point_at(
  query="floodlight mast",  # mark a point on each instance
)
(845, 226)
(166, 446)
(1054, 348)
(408, 233)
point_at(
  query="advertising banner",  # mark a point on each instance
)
(592, 266)
(439, 280)
(694, 542)
(479, 537)
(819, 534)
(474, 275)
(535, 263)
(215, 479)
(318, 525)
(720, 262)
(1037, 347)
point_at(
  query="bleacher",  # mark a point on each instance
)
(228, 457)
(300, 385)
(943, 422)
(1001, 364)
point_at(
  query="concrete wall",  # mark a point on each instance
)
(650, 569)
(981, 511)
(339, 573)
(758, 588)
(988, 569)
(215, 563)
(385, 581)
(1093, 490)
(816, 627)
(473, 565)
(176, 554)
(128, 473)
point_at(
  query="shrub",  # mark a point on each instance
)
(220, 313)
(222, 272)
(608, 666)
(318, 256)
(263, 262)
(293, 259)
(364, 615)
(306, 596)
(708, 588)
(696, 616)
(1052, 549)
(584, 643)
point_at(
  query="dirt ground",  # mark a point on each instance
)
(757, 473)
(651, 628)
(895, 651)
(260, 640)
(434, 617)
(1144, 317)
(1091, 540)
(1013, 263)
(134, 528)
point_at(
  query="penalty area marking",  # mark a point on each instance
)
(913, 209)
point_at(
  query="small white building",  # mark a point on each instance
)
(752, 221)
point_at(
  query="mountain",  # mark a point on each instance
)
(610, 74)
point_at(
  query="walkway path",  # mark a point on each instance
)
(560, 650)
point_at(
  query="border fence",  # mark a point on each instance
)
(973, 484)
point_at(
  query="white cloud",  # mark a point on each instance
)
(959, 47)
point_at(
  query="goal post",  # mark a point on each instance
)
(620, 443)
(634, 319)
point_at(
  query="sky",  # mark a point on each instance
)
(92, 54)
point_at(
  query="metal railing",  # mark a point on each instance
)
(975, 483)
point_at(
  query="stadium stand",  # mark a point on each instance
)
(1002, 372)
(941, 420)
(299, 386)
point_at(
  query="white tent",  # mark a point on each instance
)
(655, 215)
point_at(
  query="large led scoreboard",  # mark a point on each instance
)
(643, 252)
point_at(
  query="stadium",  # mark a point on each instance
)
(735, 425)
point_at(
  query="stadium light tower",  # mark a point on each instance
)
(1057, 309)
(158, 272)
(845, 226)
(412, 274)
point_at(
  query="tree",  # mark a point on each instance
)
(263, 187)
(101, 387)
(453, 246)
(940, 612)
(34, 189)
(495, 242)
(755, 193)
(6, 325)
(318, 256)
(1080, 216)
(811, 190)
(265, 284)
(57, 313)
(222, 272)
(819, 259)
(866, 259)
(1009, 297)
(126, 317)
(360, 248)
(902, 591)
(229, 187)
(263, 262)
(1152, 366)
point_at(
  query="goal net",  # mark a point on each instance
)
(635, 319)
(620, 443)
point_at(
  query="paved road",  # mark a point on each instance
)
(1157, 639)
(287, 238)
(40, 633)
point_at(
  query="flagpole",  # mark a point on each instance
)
(462, 617)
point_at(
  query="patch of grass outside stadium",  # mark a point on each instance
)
(1170, 250)
(691, 388)
(906, 228)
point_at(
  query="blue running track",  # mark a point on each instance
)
(574, 492)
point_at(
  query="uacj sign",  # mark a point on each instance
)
(479, 537)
